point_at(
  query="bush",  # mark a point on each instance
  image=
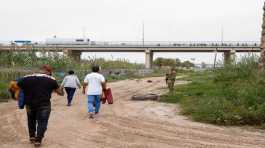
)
(233, 95)
(6, 75)
(164, 62)
(17, 64)
(30, 60)
(161, 62)
(4, 95)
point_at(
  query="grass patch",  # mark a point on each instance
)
(233, 95)
(6, 75)
(4, 95)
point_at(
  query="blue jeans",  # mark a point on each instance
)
(21, 99)
(91, 99)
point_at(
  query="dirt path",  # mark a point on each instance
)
(125, 124)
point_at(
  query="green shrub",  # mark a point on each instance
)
(4, 94)
(233, 95)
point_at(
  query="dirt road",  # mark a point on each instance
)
(125, 124)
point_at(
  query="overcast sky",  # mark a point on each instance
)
(121, 20)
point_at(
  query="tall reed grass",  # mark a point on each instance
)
(16, 64)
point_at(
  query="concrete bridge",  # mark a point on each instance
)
(228, 48)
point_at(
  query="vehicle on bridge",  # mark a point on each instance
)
(67, 41)
(21, 42)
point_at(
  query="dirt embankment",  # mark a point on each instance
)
(125, 124)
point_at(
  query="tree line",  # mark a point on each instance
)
(161, 62)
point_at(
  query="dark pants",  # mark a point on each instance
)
(70, 93)
(38, 120)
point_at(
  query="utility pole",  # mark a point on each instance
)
(222, 34)
(216, 51)
(84, 33)
(215, 58)
(262, 45)
(143, 33)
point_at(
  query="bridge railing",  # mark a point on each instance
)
(153, 44)
(178, 44)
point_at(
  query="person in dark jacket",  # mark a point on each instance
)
(37, 90)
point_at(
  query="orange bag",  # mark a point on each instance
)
(107, 96)
(14, 90)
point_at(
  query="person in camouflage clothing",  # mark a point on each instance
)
(171, 78)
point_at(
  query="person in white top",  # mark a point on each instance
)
(94, 83)
(70, 84)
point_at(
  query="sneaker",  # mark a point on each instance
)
(32, 139)
(37, 142)
(91, 116)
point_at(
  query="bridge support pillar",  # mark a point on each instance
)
(229, 57)
(76, 55)
(148, 58)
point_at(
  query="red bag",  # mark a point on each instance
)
(107, 96)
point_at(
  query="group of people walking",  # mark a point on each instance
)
(34, 92)
(93, 85)
(37, 89)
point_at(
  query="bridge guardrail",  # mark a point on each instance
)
(185, 44)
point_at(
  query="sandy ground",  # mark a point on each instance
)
(125, 124)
